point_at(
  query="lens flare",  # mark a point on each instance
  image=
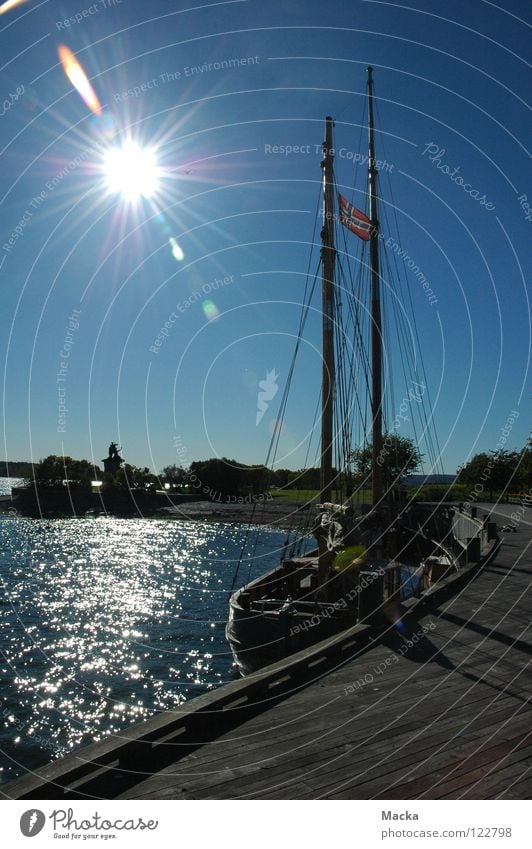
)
(104, 126)
(276, 427)
(11, 4)
(177, 253)
(210, 310)
(79, 79)
(31, 99)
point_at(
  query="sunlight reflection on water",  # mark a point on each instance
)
(105, 621)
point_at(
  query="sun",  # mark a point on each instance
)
(131, 171)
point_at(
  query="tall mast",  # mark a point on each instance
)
(328, 261)
(376, 321)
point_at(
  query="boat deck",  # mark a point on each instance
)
(447, 717)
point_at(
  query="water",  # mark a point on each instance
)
(104, 622)
(7, 483)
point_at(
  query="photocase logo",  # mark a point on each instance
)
(269, 389)
(32, 822)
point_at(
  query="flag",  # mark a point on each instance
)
(355, 220)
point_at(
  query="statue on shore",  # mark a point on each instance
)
(113, 462)
(113, 451)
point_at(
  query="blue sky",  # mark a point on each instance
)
(452, 86)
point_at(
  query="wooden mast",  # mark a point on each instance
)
(328, 261)
(327, 390)
(376, 320)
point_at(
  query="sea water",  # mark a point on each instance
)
(104, 622)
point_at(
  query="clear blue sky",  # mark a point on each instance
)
(451, 74)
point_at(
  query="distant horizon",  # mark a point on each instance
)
(413, 475)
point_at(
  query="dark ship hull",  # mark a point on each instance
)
(285, 610)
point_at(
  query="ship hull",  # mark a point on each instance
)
(282, 612)
(258, 639)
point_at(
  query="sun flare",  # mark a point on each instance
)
(79, 79)
(132, 172)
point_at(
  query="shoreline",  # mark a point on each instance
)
(275, 513)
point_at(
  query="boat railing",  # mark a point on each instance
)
(294, 579)
(472, 535)
(296, 606)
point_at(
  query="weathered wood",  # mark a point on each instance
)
(340, 759)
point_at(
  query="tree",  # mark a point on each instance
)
(470, 473)
(493, 471)
(506, 470)
(307, 478)
(53, 470)
(174, 475)
(524, 471)
(220, 476)
(398, 458)
(281, 477)
(130, 477)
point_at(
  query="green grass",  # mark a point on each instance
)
(295, 494)
(428, 492)
(362, 497)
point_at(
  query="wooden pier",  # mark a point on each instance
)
(443, 711)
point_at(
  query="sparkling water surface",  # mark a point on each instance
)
(104, 622)
(6, 484)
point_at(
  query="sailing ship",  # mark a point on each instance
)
(364, 565)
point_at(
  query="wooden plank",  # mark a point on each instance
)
(518, 786)
(396, 762)
(359, 746)
(500, 780)
(447, 767)
(475, 780)
(369, 762)
(435, 782)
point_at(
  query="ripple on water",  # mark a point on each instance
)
(105, 621)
